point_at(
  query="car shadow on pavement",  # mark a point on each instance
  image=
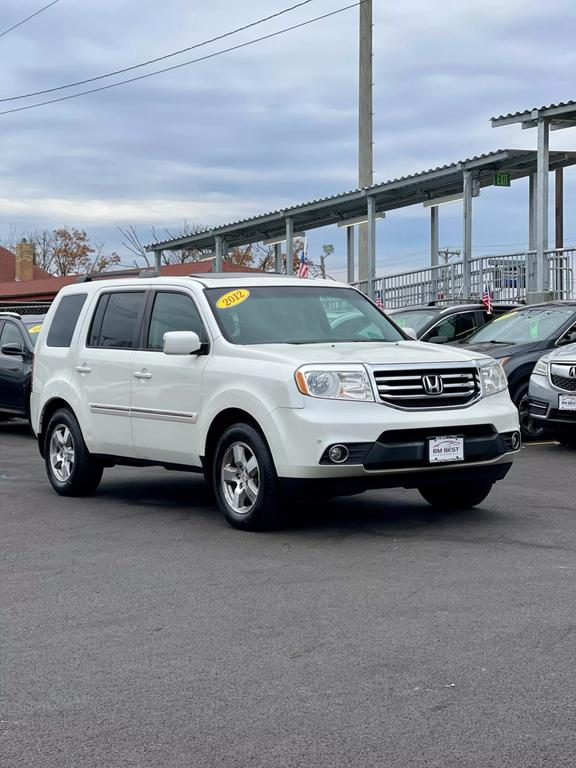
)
(15, 427)
(384, 512)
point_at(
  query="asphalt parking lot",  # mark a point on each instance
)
(138, 629)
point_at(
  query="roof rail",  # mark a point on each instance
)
(136, 272)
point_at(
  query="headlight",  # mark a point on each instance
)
(492, 378)
(541, 367)
(334, 382)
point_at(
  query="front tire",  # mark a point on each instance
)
(528, 427)
(455, 496)
(71, 469)
(244, 479)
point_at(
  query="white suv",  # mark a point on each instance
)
(270, 386)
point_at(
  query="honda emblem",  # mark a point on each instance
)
(433, 385)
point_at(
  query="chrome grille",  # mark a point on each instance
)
(430, 388)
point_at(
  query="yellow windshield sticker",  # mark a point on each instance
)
(504, 317)
(34, 329)
(232, 298)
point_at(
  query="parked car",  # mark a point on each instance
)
(448, 324)
(518, 340)
(251, 380)
(17, 339)
(553, 394)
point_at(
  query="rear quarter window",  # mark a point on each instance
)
(64, 321)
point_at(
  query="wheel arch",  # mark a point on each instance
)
(219, 424)
(50, 408)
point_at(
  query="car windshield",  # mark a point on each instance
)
(525, 325)
(298, 315)
(415, 319)
(33, 329)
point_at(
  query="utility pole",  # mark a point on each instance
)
(448, 253)
(365, 126)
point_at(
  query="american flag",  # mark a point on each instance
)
(303, 268)
(488, 299)
(378, 300)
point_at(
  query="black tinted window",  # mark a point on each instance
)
(10, 335)
(173, 312)
(65, 319)
(115, 320)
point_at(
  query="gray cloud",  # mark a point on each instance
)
(275, 123)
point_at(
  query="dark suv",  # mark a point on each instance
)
(447, 324)
(518, 340)
(18, 336)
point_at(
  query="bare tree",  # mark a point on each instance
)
(133, 243)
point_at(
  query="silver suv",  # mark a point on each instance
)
(553, 393)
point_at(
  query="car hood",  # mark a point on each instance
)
(503, 350)
(565, 354)
(397, 353)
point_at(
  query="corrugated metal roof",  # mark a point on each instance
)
(527, 113)
(395, 193)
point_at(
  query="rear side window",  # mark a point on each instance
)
(10, 334)
(64, 321)
(115, 322)
(173, 312)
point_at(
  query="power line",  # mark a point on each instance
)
(185, 63)
(19, 24)
(158, 58)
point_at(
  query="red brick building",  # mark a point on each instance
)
(23, 283)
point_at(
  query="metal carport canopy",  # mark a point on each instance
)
(561, 115)
(397, 193)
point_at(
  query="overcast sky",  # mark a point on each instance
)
(275, 123)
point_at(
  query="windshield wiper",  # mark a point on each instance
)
(492, 341)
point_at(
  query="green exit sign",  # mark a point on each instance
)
(501, 179)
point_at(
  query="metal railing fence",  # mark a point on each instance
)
(507, 275)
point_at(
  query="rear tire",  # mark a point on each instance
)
(456, 496)
(245, 481)
(71, 469)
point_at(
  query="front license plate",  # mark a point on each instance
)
(567, 403)
(443, 449)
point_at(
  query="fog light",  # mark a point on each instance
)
(515, 441)
(338, 454)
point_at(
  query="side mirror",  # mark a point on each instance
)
(411, 332)
(181, 343)
(14, 350)
(438, 340)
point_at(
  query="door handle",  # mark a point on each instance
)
(142, 375)
(83, 368)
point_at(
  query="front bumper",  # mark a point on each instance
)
(387, 441)
(544, 406)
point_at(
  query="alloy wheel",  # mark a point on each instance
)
(62, 453)
(240, 478)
